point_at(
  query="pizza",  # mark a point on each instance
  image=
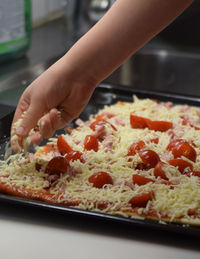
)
(138, 159)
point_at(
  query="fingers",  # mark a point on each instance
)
(51, 122)
(29, 120)
(26, 118)
(48, 124)
(36, 138)
(16, 143)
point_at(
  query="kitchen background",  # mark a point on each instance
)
(168, 63)
(44, 9)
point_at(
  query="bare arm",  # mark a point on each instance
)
(126, 27)
(68, 84)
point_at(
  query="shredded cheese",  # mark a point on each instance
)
(172, 200)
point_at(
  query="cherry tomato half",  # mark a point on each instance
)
(63, 146)
(135, 147)
(159, 170)
(140, 179)
(74, 155)
(141, 200)
(159, 125)
(182, 148)
(91, 143)
(186, 150)
(99, 179)
(138, 122)
(173, 143)
(149, 158)
(181, 164)
(57, 165)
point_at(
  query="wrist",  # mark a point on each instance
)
(77, 73)
(66, 75)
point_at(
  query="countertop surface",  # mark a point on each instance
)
(39, 233)
(34, 233)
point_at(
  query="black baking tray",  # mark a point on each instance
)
(103, 95)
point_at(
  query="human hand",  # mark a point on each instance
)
(49, 103)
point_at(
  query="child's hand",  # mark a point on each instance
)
(48, 104)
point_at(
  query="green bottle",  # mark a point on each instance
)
(15, 28)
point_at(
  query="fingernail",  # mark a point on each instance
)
(42, 123)
(20, 131)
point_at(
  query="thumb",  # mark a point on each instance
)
(29, 120)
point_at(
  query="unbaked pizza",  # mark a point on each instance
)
(137, 159)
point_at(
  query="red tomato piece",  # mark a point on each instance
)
(63, 146)
(180, 148)
(74, 155)
(181, 164)
(141, 200)
(186, 150)
(91, 143)
(149, 158)
(196, 173)
(185, 121)
(195, 127)
(135, 147)
(154, 140)
(99, 179)
(159, 125)
(140, 179)
(174, 143)
(101, 123)
(57, 165)
(138, 122)
(96, 123)
(159, 171)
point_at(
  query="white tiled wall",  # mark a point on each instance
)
(43, 8)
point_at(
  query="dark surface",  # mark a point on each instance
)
(185, 29)
(161, 70)
(104, 94)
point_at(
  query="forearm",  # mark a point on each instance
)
(126, 27)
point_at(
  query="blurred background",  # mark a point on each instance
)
(34, 34)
